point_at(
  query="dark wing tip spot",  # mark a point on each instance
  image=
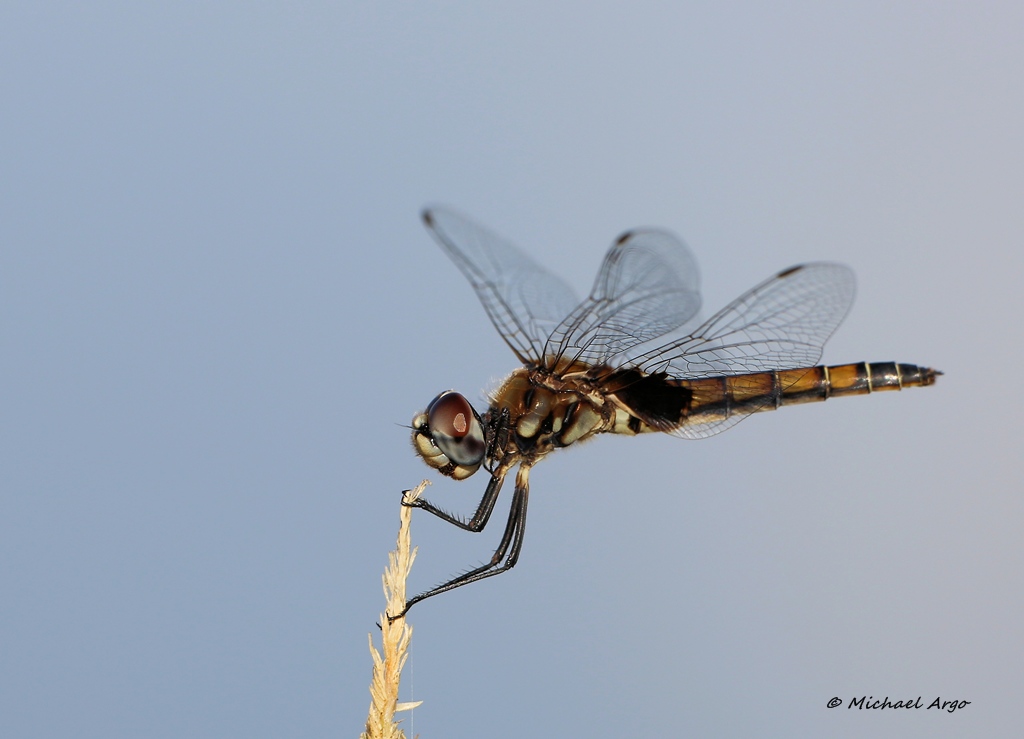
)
(428, 217)
(791, 270)
(624, 238)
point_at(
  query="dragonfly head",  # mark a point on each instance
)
(449, 436)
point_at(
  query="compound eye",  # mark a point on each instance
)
(455, 429)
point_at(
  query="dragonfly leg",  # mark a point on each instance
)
(511, 543)
(483, 510)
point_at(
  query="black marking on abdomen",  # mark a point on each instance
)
(657, 400)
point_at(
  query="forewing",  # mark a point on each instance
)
(523, 300)
(647, 286)
(783, 323)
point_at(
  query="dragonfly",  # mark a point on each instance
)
(630, 358)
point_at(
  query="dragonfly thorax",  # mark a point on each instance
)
(546, 411)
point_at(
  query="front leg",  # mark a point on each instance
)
(483, 511)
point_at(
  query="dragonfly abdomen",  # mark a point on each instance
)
(821, 382)
(716, 398)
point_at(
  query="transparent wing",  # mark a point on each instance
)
(647, 286)
(523, 300)
(783, 323)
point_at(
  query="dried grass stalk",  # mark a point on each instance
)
(395, 636)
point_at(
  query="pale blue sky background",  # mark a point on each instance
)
(217, 307)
